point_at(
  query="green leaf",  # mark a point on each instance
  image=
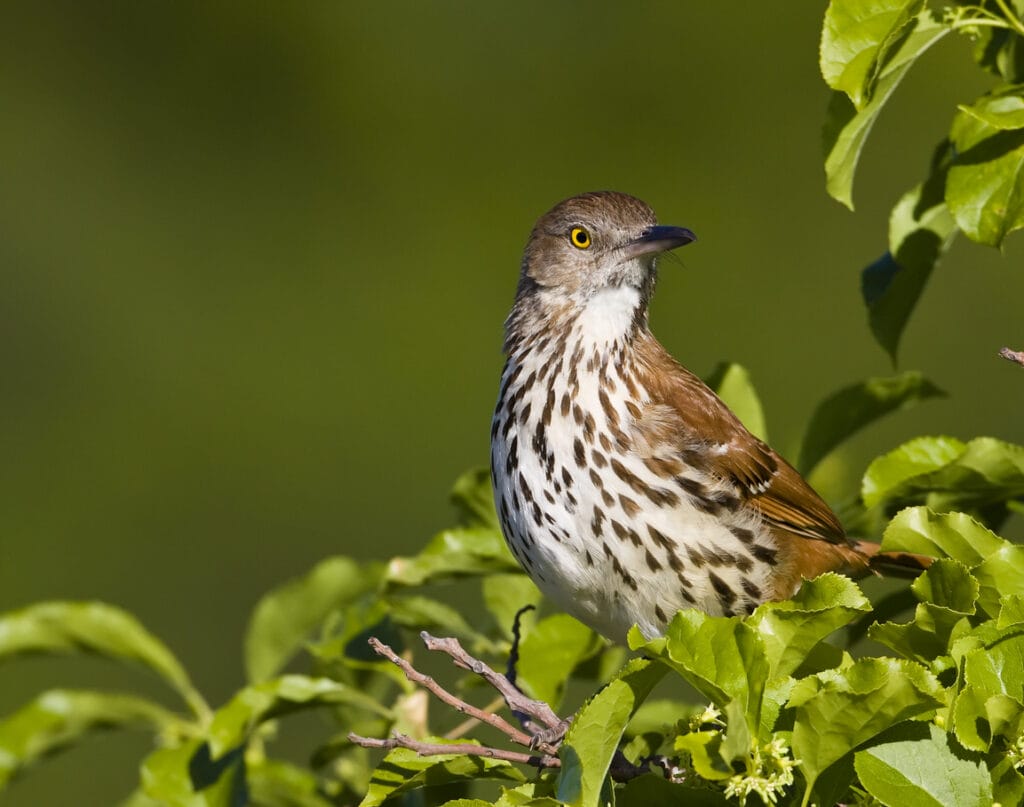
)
(791, 628)
(275, 783)
(732, 383)
(923, 772)
(1000, 109)
(424, 613)
(912, 459)
(403, 770)
(837, 710)
(507, 594)
(856, 39)
(473, 496)
(948, 593)
(850, 409)
(259, 702)
(59, 718)
(847, 123)
(1000, 576)
(951, 535)
(452, 554)
(550, 651)
(596, 730)
(985, 473)
(1011, 613)
(97, 628)
(722, 657)
(184, 776)
(921, 230)
(1001, 51)
(997, 669)
(705, 750)
(985, 184)
(286, 615)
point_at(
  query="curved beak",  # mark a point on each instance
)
(657, 239)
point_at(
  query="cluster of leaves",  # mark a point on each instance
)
(792, 717)
(975, 183)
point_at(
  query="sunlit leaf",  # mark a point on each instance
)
(999, 109)
(847, 411)
(596, 730)
(948, 592)
(947, 475)
(463, 552)
(923, 772)
(259, 702)
(847, 125)
(837, 710)
(856, 40)
(733, 385)
(97, 628)
(286, 615)
(790, 628)
(59, 718)
(912, 459)
(550, 651)
(949, 535)
(985, 184)
(722, 657)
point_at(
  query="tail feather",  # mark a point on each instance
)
(893, 564)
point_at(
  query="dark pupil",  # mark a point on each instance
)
(581, 237)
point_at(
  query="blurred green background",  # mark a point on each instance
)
(255, 258)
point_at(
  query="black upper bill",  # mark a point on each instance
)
(660, 238)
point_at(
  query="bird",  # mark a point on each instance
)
(624, 486)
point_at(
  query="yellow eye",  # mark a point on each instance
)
(579, 237)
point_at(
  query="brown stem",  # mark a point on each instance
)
(467, 749)
(1016, 356)
(491, 719)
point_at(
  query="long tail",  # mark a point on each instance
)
(893, 564)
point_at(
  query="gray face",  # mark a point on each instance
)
(598, 240)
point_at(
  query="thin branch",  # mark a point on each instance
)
(515, 699)
(1016, 356)
(460, 749)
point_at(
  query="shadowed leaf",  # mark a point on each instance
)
(597, 729)
(923, 772)
(96, 628)
(733, 385)
(849, 410)
(285, 616)
(59, 718)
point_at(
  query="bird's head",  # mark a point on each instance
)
(597, 241)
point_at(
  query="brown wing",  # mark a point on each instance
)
(685, 411)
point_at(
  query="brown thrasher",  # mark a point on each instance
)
(625, 487)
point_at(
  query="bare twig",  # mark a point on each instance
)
(414, 675)
(515, 699)
(546, 743)
(461, 749)
(1016, 356)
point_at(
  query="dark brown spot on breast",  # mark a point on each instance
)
(599, 459)
(598, 519)
(630, 507)
(725, 594)
(765, 554)
(579, 452)
(652, 562)
(660, 614)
